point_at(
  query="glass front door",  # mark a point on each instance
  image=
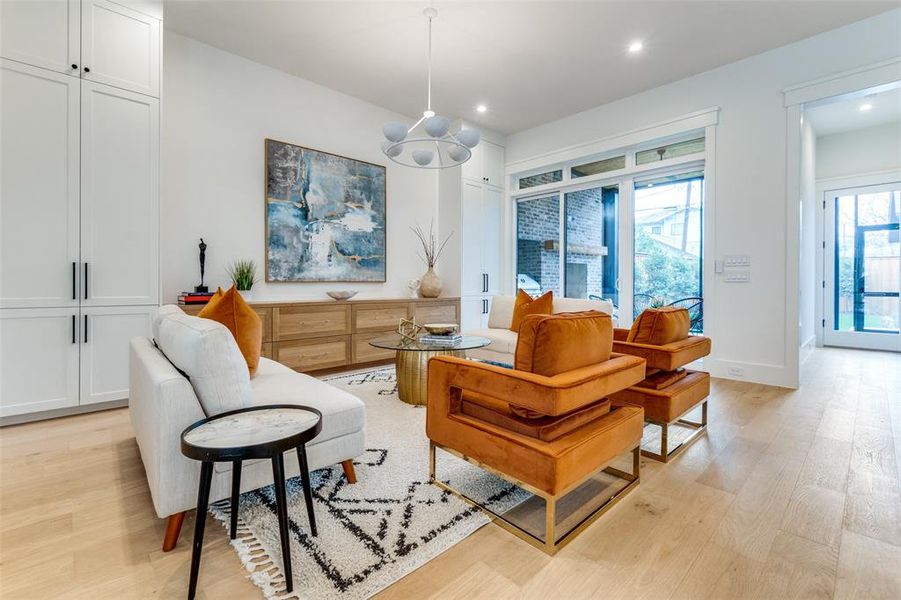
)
(863, 270)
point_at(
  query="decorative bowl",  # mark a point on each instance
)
(440, 328)
(342, 294)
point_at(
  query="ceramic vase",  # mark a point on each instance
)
(430, 284)
(246, 294)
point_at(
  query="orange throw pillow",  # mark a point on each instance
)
(660, 326)
(230, 309)
(526, 305)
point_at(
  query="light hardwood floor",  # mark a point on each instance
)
(791, 494)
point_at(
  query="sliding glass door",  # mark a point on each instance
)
(862, 298)
(668, 244)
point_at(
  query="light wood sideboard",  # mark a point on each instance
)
(317, 335)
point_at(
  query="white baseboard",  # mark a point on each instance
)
(61, 412)
(767, 374)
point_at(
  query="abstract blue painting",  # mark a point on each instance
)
(325, 216)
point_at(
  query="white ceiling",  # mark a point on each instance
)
(845, 114)
(530, 62)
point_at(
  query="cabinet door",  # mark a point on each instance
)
(472, 315)
(43, 33)
(38, 186)
(493, 164)
(472, 279)
(472, 169)
(119, 197)
(120, 47)
(105, 334)
(38, 360)
(492, 236)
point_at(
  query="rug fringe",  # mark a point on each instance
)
(263, 571)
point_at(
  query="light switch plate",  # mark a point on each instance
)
(738, 260)
(738, 277)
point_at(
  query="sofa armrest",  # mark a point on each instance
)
(550, 396)
(667, 357)
(161, 405)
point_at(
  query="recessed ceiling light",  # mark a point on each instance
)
(865, 107)
(635, 46)
(481, 108)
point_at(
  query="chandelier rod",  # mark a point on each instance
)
(429, 98)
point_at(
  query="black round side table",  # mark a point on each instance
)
(246, 434)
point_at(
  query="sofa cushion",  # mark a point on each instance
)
(230, 309)
(207, 353)
(545, 428)
(501, 314)
(564, 305)
(660, 326)
(552, 344)
(342, 412)
(526, 305)
(161, 313)
(502, 340)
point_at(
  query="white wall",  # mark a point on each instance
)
(750, 183)
(861, 151)
(807, 270)
(217, 109)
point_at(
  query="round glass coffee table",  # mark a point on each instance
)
(413, 360)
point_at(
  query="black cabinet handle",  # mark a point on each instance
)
(74, 66)
(87, 70)
(85, 280)
(85, 340)
(74, 268)
(487, 282)
(73, 329)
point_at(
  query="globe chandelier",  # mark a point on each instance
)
(432, 146)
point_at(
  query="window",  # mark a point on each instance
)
(669, 151)
(540, 179)
(667, 269)
(590, 268)
(538, 245)
(599, 166)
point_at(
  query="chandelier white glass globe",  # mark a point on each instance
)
(428, 143)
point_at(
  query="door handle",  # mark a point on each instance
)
(85, 340)
(74, 268)
(487, 281)
(85, 280)
(73, 329)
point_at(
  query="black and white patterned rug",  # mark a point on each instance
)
(374, 532)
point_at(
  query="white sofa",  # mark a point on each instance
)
(163, 403)
(503, 341)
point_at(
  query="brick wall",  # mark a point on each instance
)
(538, 241)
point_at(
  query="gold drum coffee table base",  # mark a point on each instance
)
(413, 373)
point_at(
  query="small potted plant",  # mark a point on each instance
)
(243, 274)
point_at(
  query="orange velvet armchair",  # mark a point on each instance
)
(669, 391)
(546, 425)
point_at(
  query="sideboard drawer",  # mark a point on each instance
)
(363, 352)
(299, 322)
(378, 317)
(435, 313)
(314, 354)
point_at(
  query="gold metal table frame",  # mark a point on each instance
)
(551, 543)
(412, 367)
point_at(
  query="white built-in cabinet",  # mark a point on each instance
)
(79, 198)
(475, 196)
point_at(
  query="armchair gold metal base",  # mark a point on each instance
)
(666, 454)
(551, 544)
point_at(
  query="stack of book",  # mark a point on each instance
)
(441, 340)
(194, 297)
